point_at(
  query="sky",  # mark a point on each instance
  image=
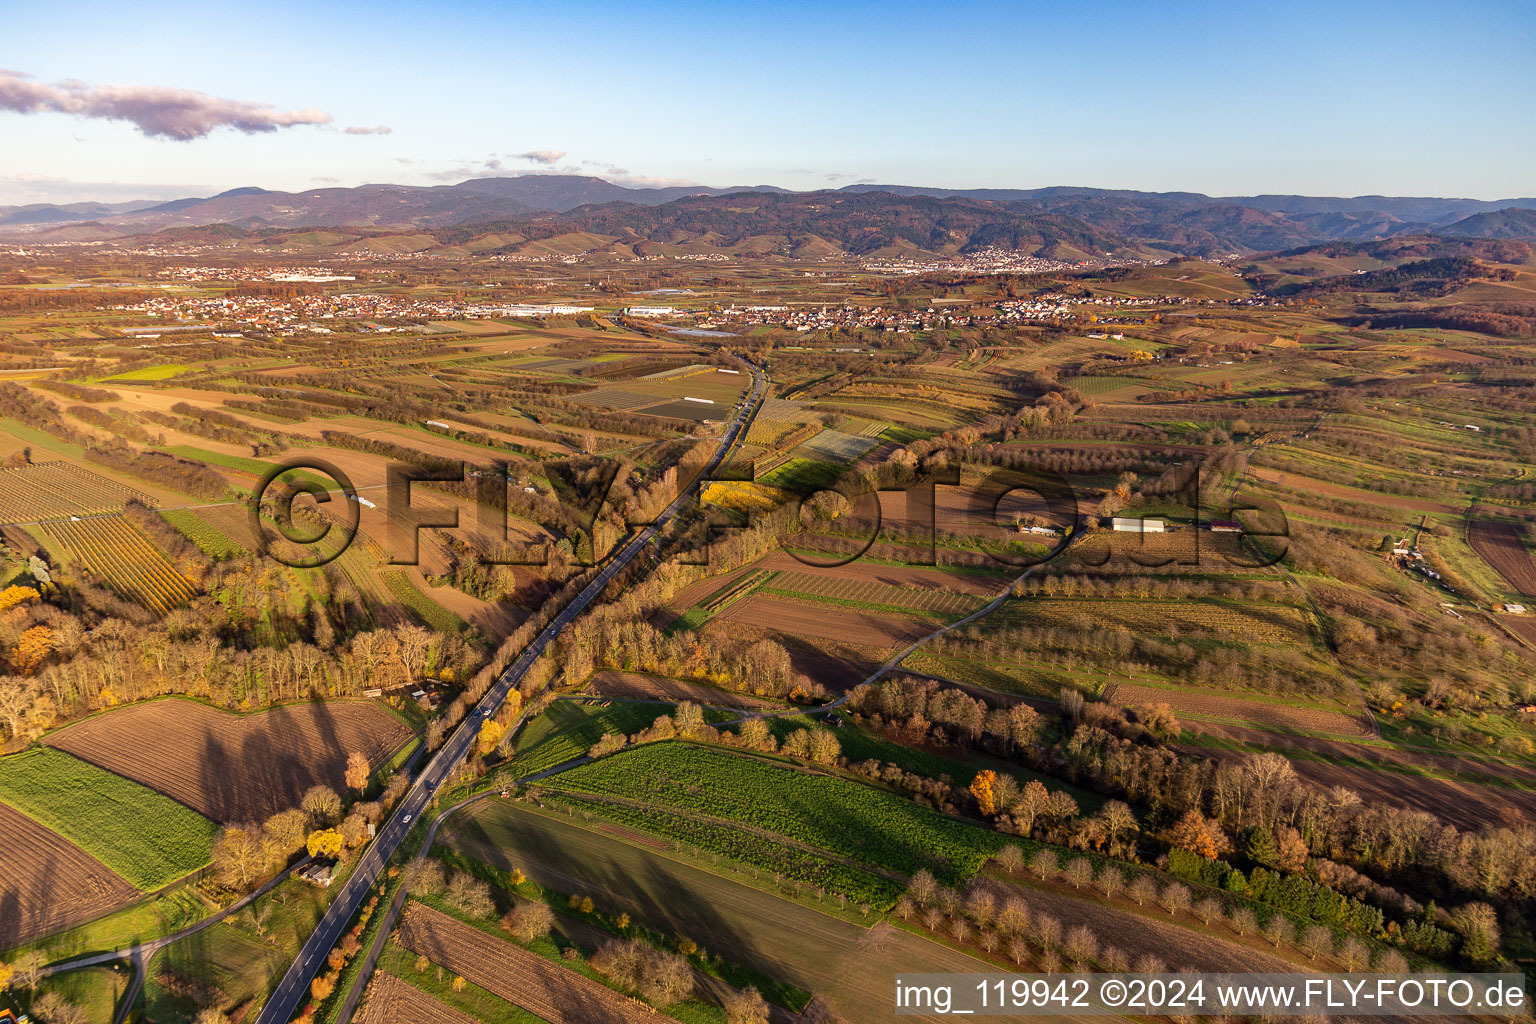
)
(125, 101)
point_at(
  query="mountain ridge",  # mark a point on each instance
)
(1065, 221)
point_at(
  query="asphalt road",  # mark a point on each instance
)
(293, 990)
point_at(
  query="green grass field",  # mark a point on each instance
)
(255, 467)
(149, 839)
(165, 371)
(843, 817)
(812, 945)
(802, 476)
(94, 991)
(209, 540)
(433, 614)
(568, 729)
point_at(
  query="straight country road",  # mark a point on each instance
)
(291, 992)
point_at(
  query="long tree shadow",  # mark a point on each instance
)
(657, 896)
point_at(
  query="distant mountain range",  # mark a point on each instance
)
(1065, 222)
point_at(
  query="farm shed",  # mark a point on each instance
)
(1122, 525)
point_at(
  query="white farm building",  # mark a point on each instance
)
(1120, 525)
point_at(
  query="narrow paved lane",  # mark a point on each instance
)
(145, 950)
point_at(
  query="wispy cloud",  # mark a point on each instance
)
(491, 166)
(623, 176)
(362, 129)
(456, 173)
(157, 111)
(547, 157)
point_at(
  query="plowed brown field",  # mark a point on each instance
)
(391, 1001)
(826, 622)
(892, 575)
(47, 883)
(558, 994)
(1523, 625)
(1262, 713)
(612, 683)
(234, 767)
(1500, 546)
(1312, 485)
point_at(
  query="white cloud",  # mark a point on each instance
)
(547, 157)
(157, 111)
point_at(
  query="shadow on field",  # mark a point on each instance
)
(633, 881)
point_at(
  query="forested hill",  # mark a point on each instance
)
(1068, 223)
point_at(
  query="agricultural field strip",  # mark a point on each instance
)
(797, 584)
(1264, 624)
(647, 812)
(798, 941)
(836, 446)
(612, 683)
(144, 836)
(49, 490)
(725, 595)
(825, 811)
(1499, 545)
(1202, 705)
(434, 615)
(809, 617)
(48, 883)
(233, 767)
(556, 993)
(393, 1001)
(200, 530)
(568, 730)
(114, 549)
(775, 865)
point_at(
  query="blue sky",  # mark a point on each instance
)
(1404, 98)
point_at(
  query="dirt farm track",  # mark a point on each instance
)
(232, 767)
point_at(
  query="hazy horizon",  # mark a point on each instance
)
(190, 192)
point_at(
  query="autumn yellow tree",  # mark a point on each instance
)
(324, 842)
(358, 771)
(238, 856)
(12, 596)
(491, 732)
(983, 789)
(31, 649)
